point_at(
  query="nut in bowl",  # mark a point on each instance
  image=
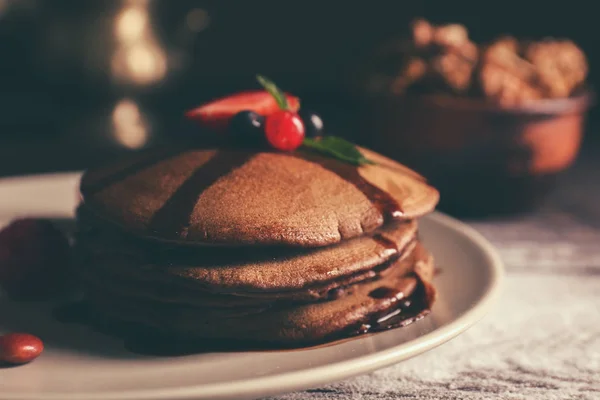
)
(491, 126)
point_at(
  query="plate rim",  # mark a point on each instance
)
(310, 377)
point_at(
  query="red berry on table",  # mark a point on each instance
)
(20, 348)
(284, 130)
(34, 259)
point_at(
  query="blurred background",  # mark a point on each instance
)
(83, 81)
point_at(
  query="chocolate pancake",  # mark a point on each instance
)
(261, 271)
(376, 304)
(162, 288)
(242, 197)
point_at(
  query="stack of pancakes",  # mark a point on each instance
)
(290, 248)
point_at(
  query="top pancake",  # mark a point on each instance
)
(237, 197)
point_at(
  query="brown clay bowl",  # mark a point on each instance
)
(485, 159)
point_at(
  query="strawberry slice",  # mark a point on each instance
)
(217, 113)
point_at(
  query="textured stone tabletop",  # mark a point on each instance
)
(542, 338)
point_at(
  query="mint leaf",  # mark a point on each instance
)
(274, 91)
(338, 148)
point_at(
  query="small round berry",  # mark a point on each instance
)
(312, 123)
(247, 127)
(284, 130)
(20, 348)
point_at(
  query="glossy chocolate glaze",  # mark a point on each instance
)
(386, 293)
(382, 200)
(388, 244)
(402, 313)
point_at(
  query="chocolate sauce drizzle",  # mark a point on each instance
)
(382, 200)
(173, 217)
(388, 244)
(385, 292)
(403, 312)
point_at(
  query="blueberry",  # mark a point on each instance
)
(313, 124)
(248, 127)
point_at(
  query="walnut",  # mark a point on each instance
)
(561, 66)
(504, 76)
(442, 38)
(506, 87)
(442, 58)
(512, 72)
(448, 54)
(453, 70)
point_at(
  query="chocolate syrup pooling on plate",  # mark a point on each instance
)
(403, 312)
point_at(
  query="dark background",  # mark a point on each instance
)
(59, 91)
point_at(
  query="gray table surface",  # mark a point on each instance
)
(542, 339)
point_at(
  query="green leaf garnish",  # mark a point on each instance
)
(338, 148)
(274, 91)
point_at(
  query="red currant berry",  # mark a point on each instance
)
(284, 130)
(34, 260)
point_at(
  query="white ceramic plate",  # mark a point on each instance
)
(81, 364)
